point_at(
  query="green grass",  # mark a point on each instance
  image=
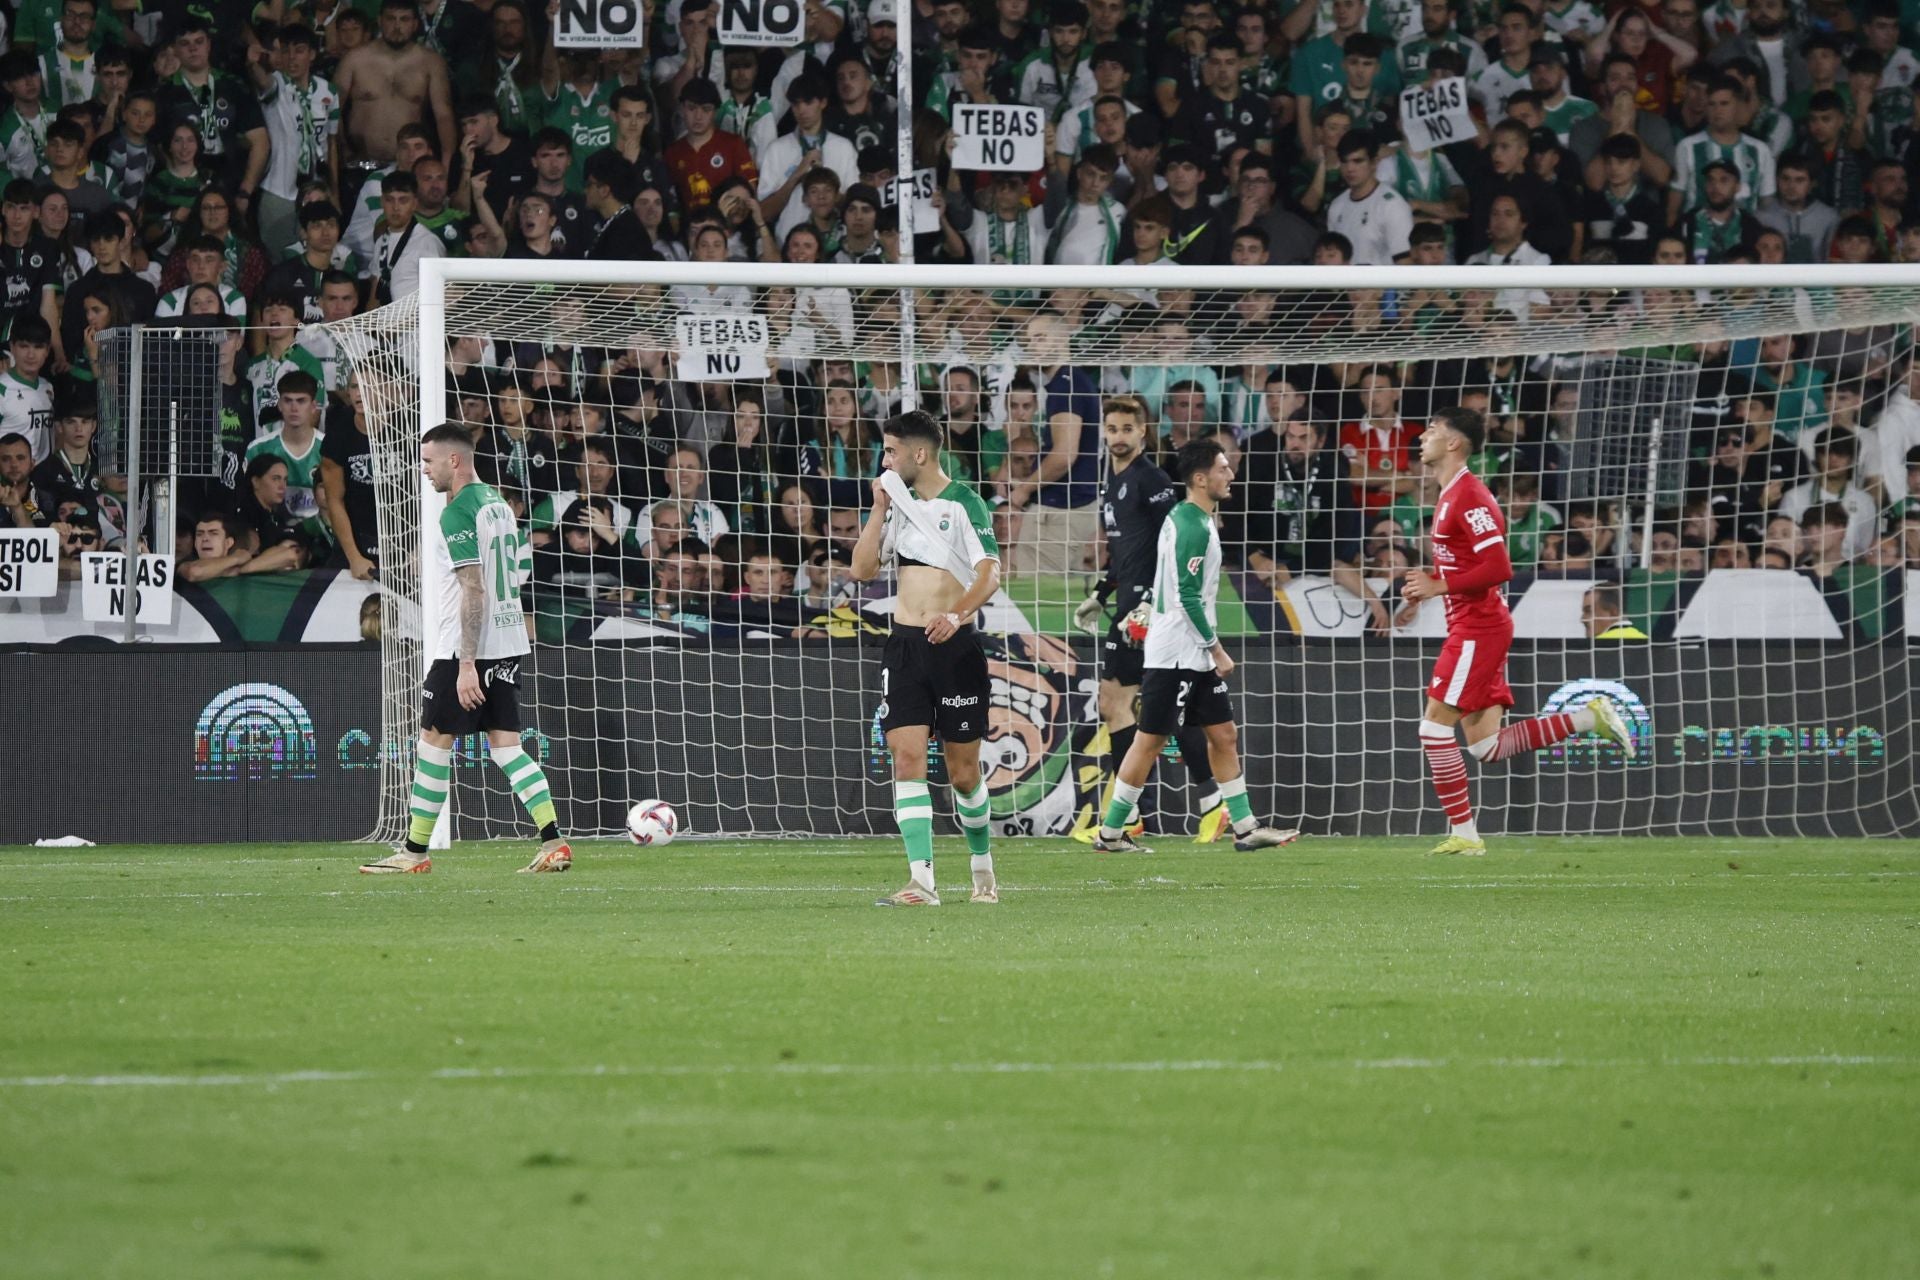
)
(1571, 1058)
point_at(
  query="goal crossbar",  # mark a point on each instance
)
(435, 273)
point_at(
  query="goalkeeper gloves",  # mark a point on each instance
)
(1135, 625)
(1086, 615)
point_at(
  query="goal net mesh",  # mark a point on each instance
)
(1712, 496)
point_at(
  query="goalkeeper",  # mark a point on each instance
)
(934, 673)
(1135, 501)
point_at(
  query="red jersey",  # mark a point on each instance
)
(1377, 454)
(698, 171)
(1469, 540)
(1656, 77)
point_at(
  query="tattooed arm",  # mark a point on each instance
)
(473, 612)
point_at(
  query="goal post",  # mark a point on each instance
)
(1766, 700)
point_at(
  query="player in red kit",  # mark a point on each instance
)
(1469, 685)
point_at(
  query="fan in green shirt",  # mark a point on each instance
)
(1800, 390)
(1528, 519)
(1411, 515)
(1357, 69)
(281, 357)
(581, 108)
(296, 441)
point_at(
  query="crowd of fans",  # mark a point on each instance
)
(266, 168)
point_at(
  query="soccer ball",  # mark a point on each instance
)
(652, 822)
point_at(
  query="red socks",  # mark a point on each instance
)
(1531, 735)
(1448, 768)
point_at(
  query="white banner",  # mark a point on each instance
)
(1434, 115)
(925, 217)
(600, 24)
(990, 136)
(29, 562)
(721, 346)
(762, 24)
(103, 588)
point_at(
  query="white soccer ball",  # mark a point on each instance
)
(653, 822)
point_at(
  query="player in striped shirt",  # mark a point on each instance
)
(1469, 685)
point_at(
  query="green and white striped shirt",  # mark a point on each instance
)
(1749, 155)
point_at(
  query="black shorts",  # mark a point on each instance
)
(440, 709)
(942, 686)
(1170, 700)
(1120, 660)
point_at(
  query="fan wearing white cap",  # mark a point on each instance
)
(880, 48)
(825, 20)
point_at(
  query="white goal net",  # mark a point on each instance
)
(1711, 478)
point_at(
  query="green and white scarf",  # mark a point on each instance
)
(1109, 213)
(1020, 255)
(507, 95)
(1716, 238)
(1430, 186)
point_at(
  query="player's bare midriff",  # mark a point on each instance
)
(925, 594)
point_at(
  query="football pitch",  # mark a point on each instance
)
(1631, 1057)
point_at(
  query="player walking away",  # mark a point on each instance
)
(934, 675)
(1469, 684)
(472, 684)
(1186, 667)
(1137, 498)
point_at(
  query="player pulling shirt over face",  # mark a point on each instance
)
(938, 535)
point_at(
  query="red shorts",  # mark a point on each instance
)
(1472, 672)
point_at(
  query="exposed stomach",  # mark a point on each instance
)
(925, 594)
(375, 119)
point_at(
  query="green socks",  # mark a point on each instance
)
(529, 783)
(432, 772)
(913, 811)
(1239, 808)
(1120, 810)
(972, 810)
